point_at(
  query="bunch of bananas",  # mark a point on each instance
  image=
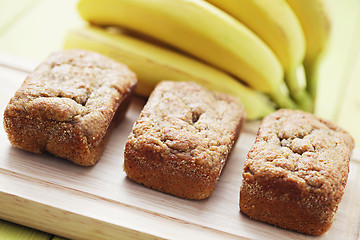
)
(264, 52)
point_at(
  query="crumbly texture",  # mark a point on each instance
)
(182, 139)
(68, 105)
(296, 171)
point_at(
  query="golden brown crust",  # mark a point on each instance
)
(182, 139)
(295, 173)
(68, 104)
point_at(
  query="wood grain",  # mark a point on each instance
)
(100, 202)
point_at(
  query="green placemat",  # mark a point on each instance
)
(58, 238)
(11, 231)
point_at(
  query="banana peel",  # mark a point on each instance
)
(153, 63)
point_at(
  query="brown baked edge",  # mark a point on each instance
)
(281, 203)
(67, 140)
(97, 151)
(183, 179)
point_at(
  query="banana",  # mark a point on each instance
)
(201, 30)
(153, 63)
(277, 25)
(316, 25)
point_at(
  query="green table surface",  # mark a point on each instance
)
(32, 29)
(12, 231)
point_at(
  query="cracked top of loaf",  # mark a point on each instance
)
(74, 86)
(68, 105)
(301, 148)
(185, 120)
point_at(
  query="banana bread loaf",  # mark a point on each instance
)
(296, 171)
(182, 139)
(69, 104)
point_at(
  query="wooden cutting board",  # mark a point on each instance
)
(100, 202)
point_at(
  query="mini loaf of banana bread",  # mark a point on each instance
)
(182, 139)
(68, 105)
(296, 171)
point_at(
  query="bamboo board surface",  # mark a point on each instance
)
(99, 202)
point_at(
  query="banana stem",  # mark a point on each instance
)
(281, 97)
(306, 102)
(312, 71)
(296, 80)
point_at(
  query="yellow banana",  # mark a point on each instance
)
(275, 23)
(316, 25)
(201, 30)
(153, 63)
